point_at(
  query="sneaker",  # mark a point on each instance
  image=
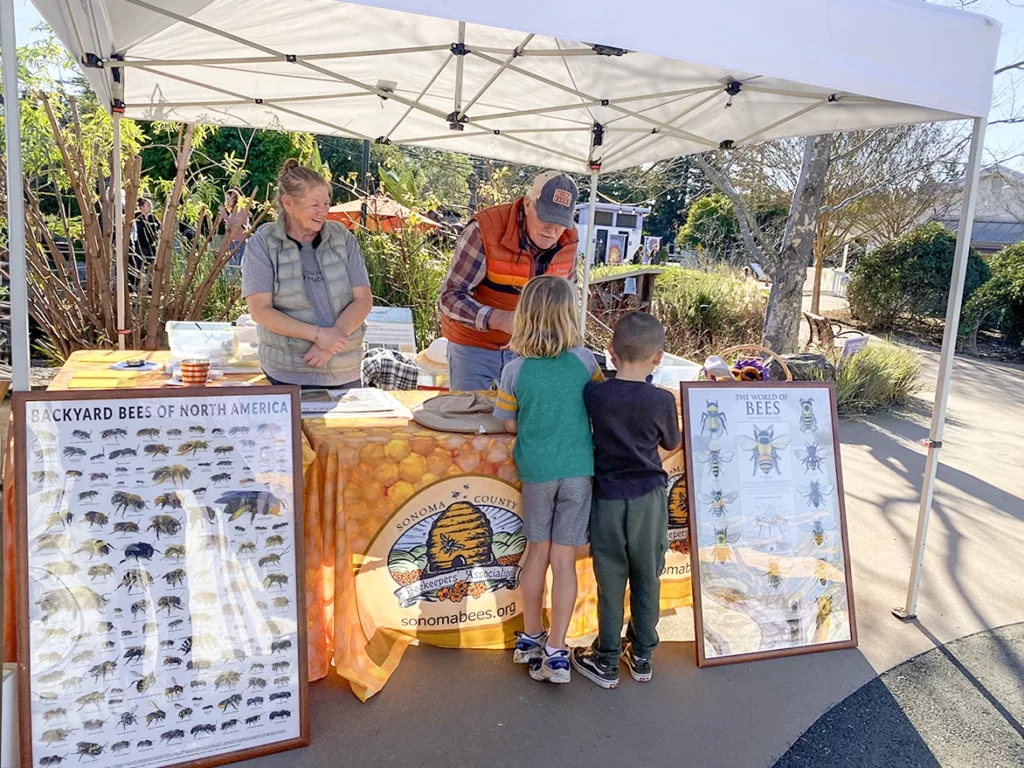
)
(639, 667)
(529, 647)
(551, 669)
(587, 663)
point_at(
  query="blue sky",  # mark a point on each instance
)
(1003, 142)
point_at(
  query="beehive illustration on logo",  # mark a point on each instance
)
(465, 550)
(678, 532)
(460, 537)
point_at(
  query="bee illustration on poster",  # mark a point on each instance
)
(770, 560)
(161, 610)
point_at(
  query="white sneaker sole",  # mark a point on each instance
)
(592, 677)
(640, 678)
(524, 657)
(544, 675)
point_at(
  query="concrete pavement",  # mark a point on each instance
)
(474, 708)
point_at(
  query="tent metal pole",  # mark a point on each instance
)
(364, 183)
(422, 93)
(490, 81)
(956, 292)
(671, 121)
(17, 268)
(118, 214)
(460, 64)
(581, 94)
(588, 252)
(595, 103)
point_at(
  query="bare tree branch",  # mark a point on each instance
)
(749, 230)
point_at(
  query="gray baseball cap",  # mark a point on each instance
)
(556, 196)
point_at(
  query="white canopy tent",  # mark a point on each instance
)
(588, 86)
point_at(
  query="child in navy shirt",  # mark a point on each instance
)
(631, 418)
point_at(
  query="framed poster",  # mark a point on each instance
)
(161, 576)
(769, 552)
(616, 248)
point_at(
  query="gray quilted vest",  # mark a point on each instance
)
(285, 353)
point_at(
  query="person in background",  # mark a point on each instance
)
(499, 251)
(541, 400)
(145, 236)
(306, 287)
(236, 222)
(629, 521)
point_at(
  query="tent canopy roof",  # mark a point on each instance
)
(527, 81)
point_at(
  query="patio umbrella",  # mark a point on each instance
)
(382, 214)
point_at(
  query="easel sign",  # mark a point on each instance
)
(162, 604)
(770, 554)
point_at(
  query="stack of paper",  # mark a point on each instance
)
(353, 403)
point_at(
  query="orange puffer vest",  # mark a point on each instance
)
(509, 268)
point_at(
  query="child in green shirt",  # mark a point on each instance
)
(541, 399)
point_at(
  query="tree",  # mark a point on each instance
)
(873, 181)
(242, 158)
(711, 226)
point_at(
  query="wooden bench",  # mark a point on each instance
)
(827, 333)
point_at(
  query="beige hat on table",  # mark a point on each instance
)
(435, 357)
(468, 412)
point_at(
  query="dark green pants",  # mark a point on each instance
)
(628, 540)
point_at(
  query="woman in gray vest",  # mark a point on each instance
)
(305, 282)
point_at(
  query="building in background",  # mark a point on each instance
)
(999, 213)
(616, 225)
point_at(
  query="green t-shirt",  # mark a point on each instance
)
(545, 397)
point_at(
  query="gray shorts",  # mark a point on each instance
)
(558, 511)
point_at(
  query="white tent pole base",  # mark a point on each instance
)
(588, 253)
(949, 336)
(15, 203)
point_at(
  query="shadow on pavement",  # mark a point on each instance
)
(955, 706)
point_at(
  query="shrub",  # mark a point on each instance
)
(1000, 299)
(881, 375)
(710, 225)
(406, 269)
(706, 312)
(907, 279)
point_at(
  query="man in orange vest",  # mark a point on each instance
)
(496, 255)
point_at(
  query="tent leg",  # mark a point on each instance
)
(956, 291)
(118, 219)
(15, 203)
(588, 251)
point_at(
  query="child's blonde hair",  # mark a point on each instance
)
(546, 321)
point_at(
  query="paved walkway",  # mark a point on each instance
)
(474, 708)
(957, 706)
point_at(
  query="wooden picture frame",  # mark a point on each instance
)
(715, 513)
(288, 647)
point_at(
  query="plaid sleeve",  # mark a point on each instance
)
(507, 407)
(469, 266)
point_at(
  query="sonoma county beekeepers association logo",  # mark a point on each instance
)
(469, 548)
(449, 556)
(678, 530)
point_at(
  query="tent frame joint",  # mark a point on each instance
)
(118, 106)
(929, 443)
(598, 134)
(457, 121)
(608, 50)
(460, 49)
(92, 61)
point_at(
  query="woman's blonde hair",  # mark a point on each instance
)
(546, 321)
(295, 180)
